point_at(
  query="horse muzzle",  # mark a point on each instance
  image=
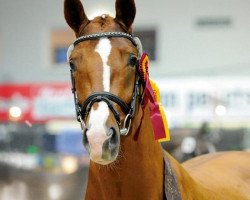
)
(100, 138)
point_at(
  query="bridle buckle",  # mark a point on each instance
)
(126, 125)
(82, 123)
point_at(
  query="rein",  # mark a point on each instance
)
(82, 110)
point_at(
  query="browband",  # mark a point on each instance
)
(135, 40)
(105, 34)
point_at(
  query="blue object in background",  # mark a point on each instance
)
(49, 141)
(69, 141)
(60, 55)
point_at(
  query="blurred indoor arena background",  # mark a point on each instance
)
(200, 57)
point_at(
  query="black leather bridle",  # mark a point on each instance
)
(83, 109)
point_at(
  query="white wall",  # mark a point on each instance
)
(183, 49)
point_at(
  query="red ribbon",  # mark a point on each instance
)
(155, 114)
(150, 97)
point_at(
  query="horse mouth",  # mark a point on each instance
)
(103, 162)
(106, 157)
(103, 150)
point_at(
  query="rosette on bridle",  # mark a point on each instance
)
(152, 96)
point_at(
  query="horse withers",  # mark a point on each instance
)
(126, 161)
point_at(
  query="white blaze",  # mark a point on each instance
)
(97, 132)
(104, 49)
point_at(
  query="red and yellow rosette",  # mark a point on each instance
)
(152, 96)
(143, 67)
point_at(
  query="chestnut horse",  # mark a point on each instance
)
(108, 96)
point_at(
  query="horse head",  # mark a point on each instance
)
(103, 63)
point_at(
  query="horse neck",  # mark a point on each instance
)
(138, 171)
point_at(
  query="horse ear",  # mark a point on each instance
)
(74, 14)
(125, 12)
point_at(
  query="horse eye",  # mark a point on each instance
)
(132, 60)
(72, 65)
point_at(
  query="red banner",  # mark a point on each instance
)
(36, 102)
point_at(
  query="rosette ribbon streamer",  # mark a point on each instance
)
(152, 96)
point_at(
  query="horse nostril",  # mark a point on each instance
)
(111, 143)
(113, 139)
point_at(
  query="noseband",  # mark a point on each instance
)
(82, 110)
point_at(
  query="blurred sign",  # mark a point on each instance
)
(206, 99)
(37, 102)
(185, 99)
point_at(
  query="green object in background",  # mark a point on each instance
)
(32, 149)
